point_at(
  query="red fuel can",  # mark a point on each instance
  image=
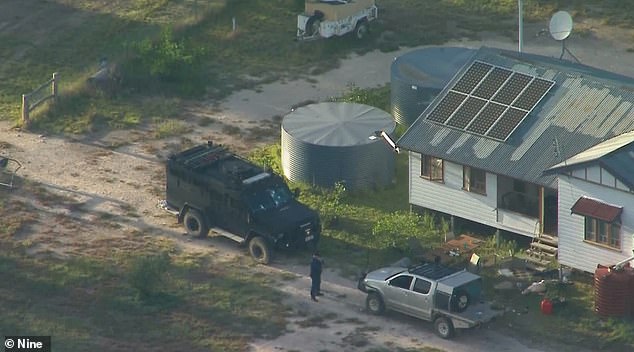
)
(547, 306)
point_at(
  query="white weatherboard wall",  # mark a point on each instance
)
(573, 251)
(450, 198)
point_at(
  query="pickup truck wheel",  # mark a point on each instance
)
(195, 224)
(443, 327)
(374, 303)
(461, 301)
(259, 250)
(361, 30)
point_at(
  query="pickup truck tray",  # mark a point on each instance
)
(474, 315)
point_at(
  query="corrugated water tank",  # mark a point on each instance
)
(613, 291)
(326, 143)
(418, 77)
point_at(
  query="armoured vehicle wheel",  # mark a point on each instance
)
(460, 301)
(375, 304)
(195, 224)
(443, 327)
(361, 30)
(259, 250)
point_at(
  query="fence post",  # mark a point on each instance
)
(25, 110)
(54, 85)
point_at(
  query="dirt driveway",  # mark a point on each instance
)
(119, 178)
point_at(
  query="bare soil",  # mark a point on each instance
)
(97, 194)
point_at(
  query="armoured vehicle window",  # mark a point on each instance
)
(403, 281)
(270, 198)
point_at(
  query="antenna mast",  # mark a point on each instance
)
(520, 23)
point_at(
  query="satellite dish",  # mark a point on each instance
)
(560, 25)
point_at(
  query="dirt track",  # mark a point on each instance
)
(119, 177)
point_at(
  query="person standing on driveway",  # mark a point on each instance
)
(315, 275)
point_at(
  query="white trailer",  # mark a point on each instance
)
(327, 18)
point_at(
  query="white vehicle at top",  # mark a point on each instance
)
(327, 18)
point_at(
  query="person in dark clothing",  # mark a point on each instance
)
(315, 275)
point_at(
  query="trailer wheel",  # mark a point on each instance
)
(361, 30)
(312, 26)
(259, 250)
(374, 303)
(460, 301)
(443, 327)
(195, 223)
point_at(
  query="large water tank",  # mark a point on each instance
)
(612, 291)
(418, 77)
(326, 143)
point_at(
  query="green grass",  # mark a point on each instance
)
(86, 304)
(186, 49)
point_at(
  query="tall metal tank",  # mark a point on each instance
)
(326, 143)
(612, 291)
(418, 77)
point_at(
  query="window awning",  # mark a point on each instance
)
(596, 209)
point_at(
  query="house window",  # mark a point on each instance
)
(603, 232)
(474, 180)
(431, 168)
(602, 221)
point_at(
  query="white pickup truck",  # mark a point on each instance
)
(447, 297)
(327, 18)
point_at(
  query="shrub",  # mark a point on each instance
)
(398, 228)
(148, 274)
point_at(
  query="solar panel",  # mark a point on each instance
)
(490, 101)
(466, 112)
(533, 94)
(507, 123)
(492, 83)
(472, 77)
(446, 107)
(512, 88)
(486, 118)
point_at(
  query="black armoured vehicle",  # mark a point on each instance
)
(215, 190)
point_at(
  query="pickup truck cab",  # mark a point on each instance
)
(448, 297)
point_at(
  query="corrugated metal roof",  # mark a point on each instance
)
(597, 209)
(586, 106)
(621, 165)
(598, 151)
(615, 155)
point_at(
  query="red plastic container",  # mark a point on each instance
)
(547, 306)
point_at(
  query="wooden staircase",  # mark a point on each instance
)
(542, 251)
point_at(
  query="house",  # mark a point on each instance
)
(596, 204)
(531, 145)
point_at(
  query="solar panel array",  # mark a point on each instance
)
(490, 101)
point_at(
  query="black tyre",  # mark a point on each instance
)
(312, 26)
(443, 327)
(260, 250)
(361, 30)
(374, 303)
(460, 301)
(195, 223)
